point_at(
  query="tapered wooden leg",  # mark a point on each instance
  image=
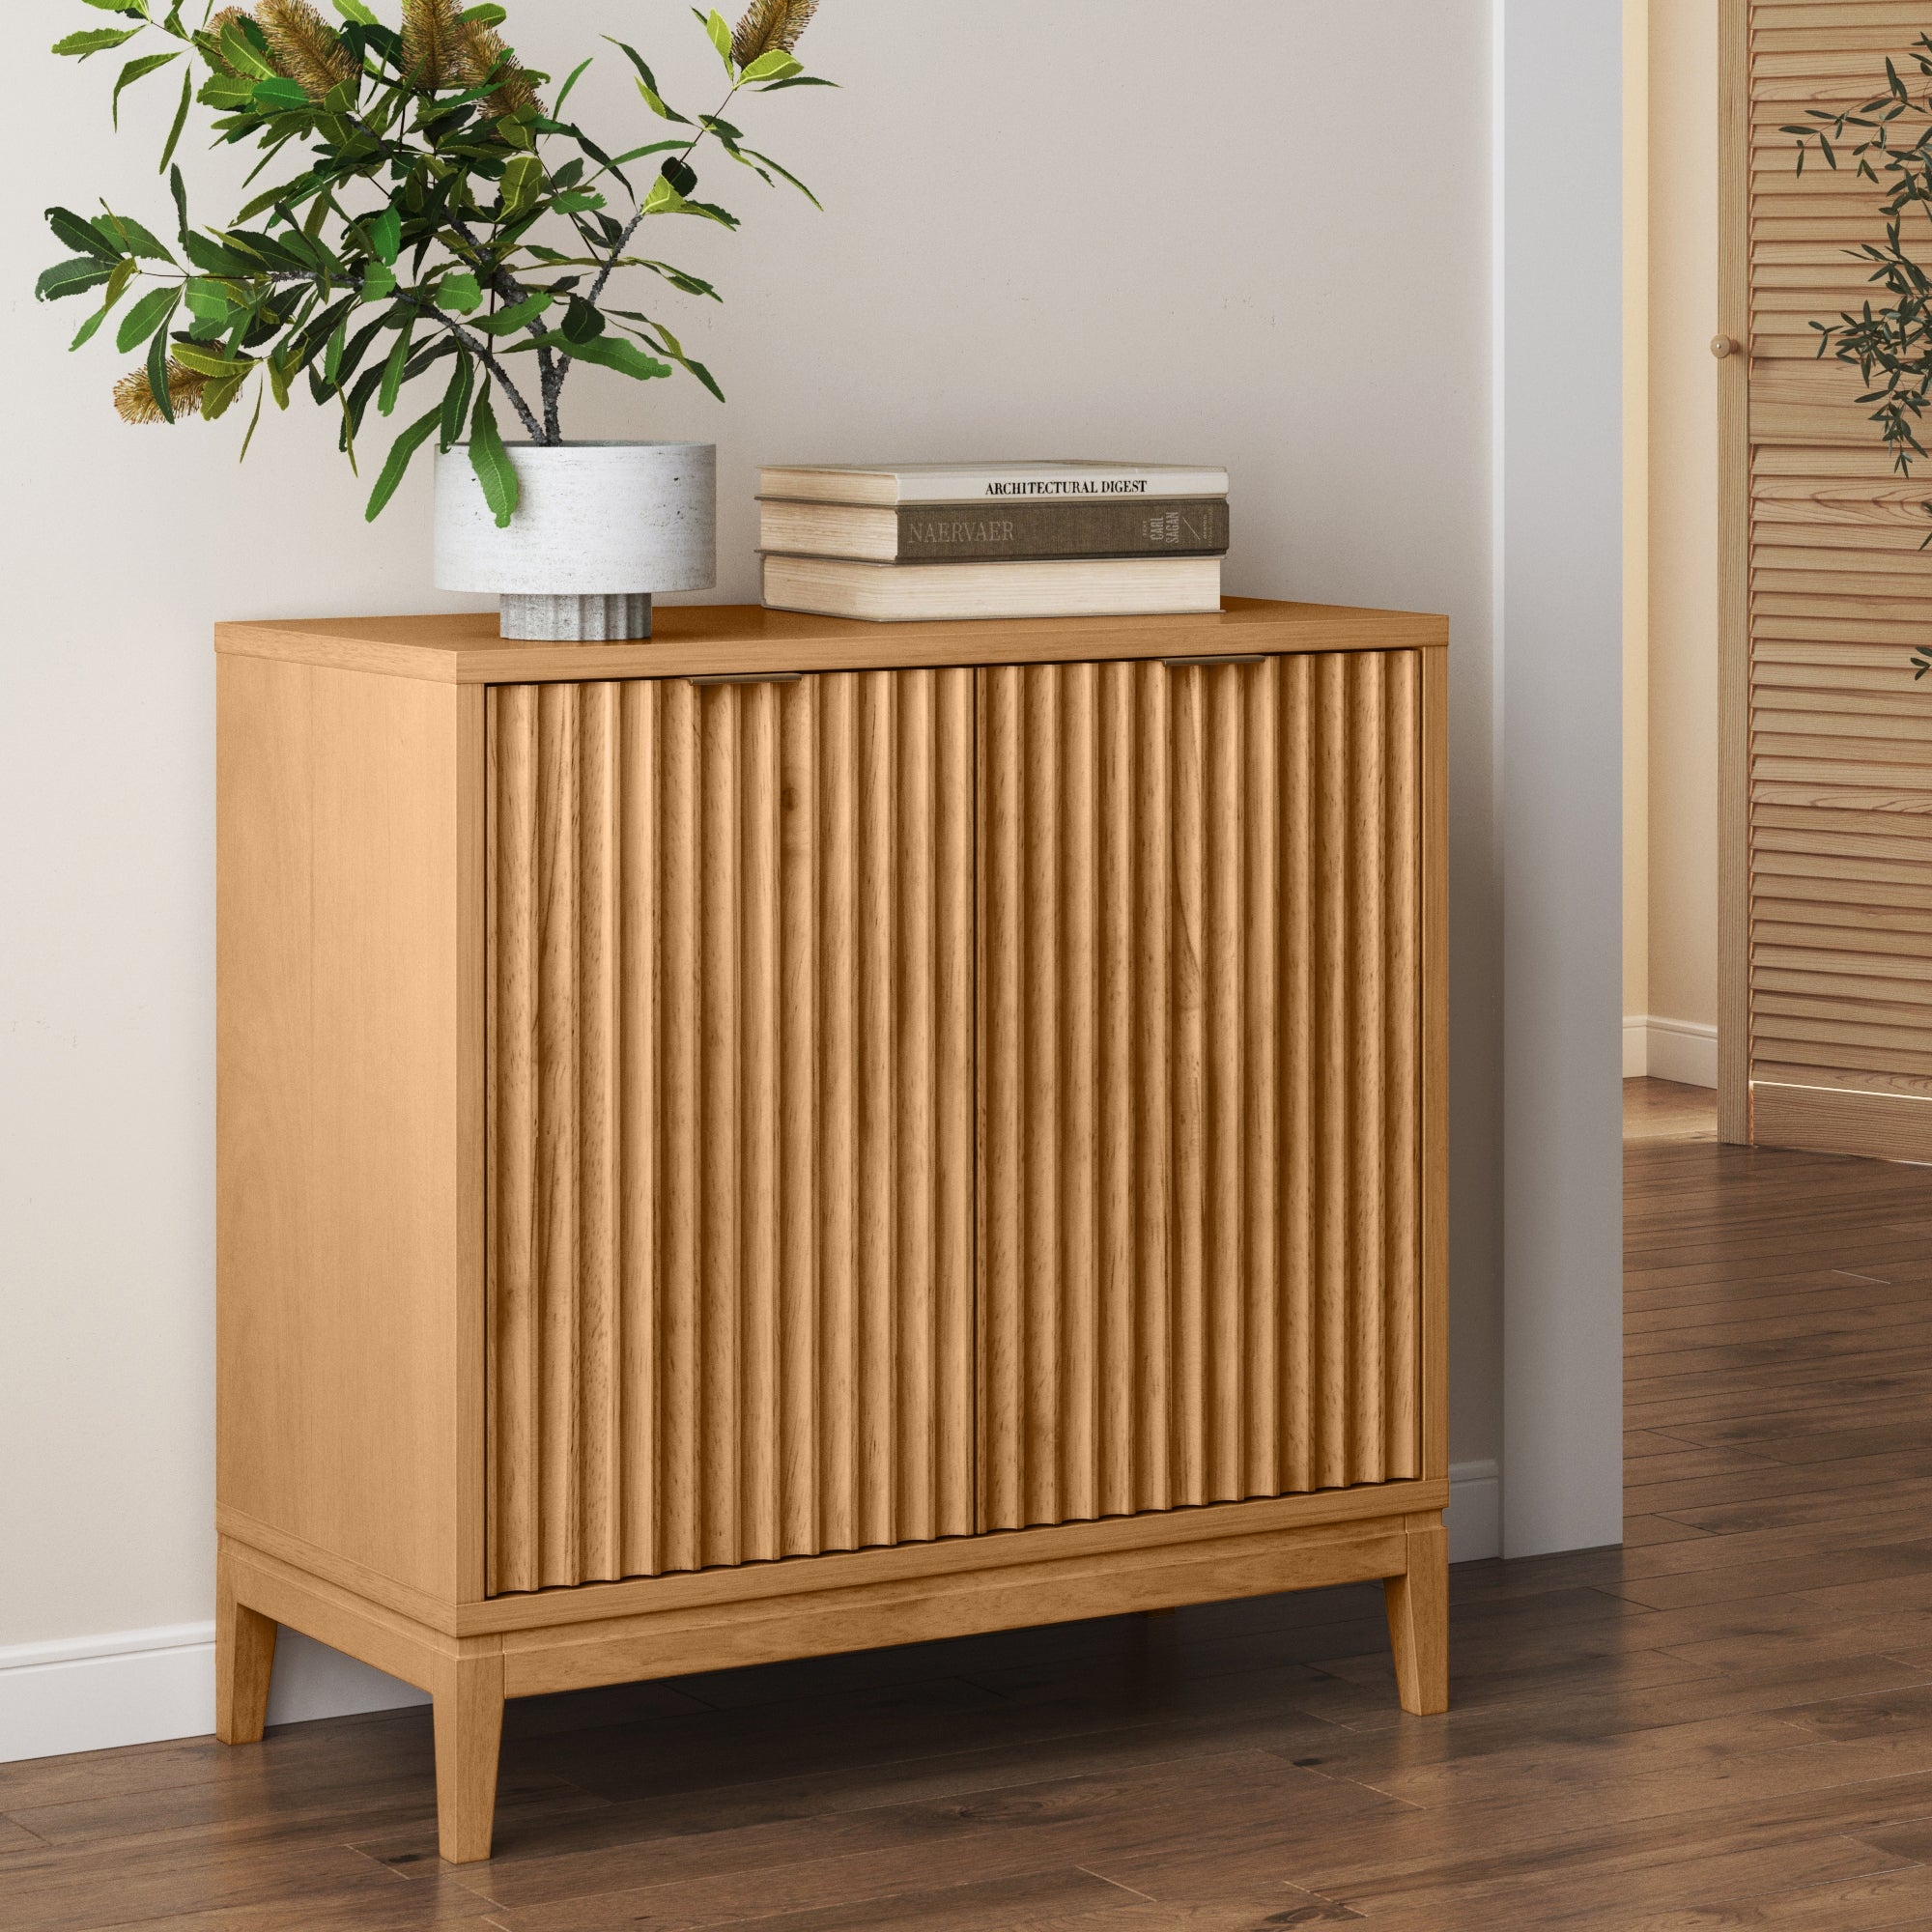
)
(1418, 1614)
(244, 1661)
(469, 1737)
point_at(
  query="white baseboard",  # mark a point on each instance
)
(143, 1686)
(1681, 1050)
(1474, 1518)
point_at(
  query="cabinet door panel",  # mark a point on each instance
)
(1200, 1082)
(730, 1113)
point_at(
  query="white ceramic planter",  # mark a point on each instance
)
(602, 527)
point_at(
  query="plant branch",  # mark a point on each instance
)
(636, 220)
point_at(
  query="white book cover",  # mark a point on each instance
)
(1070, 478)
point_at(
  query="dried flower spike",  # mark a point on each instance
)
(304, 47)
(478, 53)
(135, 395)
(768, 25)
(432, 37)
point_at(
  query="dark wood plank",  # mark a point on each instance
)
(1728, 1720)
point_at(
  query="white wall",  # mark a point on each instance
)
(1559, 656)
(1251, 231)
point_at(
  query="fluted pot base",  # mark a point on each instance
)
(576, 620)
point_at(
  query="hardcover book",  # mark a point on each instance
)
(1090, 526)
(918, 592)
(986, 482)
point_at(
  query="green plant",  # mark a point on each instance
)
(1888, 342)
(440, 218)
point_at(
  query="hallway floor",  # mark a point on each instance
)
(1727, 1723)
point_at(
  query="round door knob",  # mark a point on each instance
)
(1724, 345)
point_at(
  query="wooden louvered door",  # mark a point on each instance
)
(1827, 1012)
(1200, 1081)
(730, 1122)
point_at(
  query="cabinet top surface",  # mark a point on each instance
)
(725, 640)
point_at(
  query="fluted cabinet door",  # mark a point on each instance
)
(1200, 1082)
(730, 1115)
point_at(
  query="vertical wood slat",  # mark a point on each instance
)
(1199, 1067)
(730, 1122)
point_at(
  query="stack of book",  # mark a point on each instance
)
(908, 542)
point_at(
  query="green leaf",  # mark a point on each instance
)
(116, 285)
(393, 372)
(385, 236)
(138, 70)
(462, 293)
(522, 183)
(582, 323)
(490, 461)
(124, 230)
(664, 199)
(207, 363)
(507, 321)
(179, 189)
(778, 169)
(280, 96)
(720, 36)
(377, 282)
(94, 41)
(332, 362)
(86, 332)
(181, 122)
(79, 233)
(455, 410)
(611, 351)
(152, 312)
(647, 85)
(254, 423)
(72, 278)
(578, 201)
(157, 374)
(354, 9)
(218, 396)
(774, 66)
(223, 91)
(563, 94)
(485, 15)
(796, 80)
(401, 453)
(244, 47)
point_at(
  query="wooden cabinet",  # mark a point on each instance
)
(797, 1136)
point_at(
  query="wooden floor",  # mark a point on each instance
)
(1727, 1723)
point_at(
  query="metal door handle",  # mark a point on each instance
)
(1228, 657)
(749, 677)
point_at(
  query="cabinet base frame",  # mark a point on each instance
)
(906, 1596)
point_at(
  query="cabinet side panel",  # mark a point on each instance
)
(1202, 1081)
(730, 1122)
(349, 1173)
